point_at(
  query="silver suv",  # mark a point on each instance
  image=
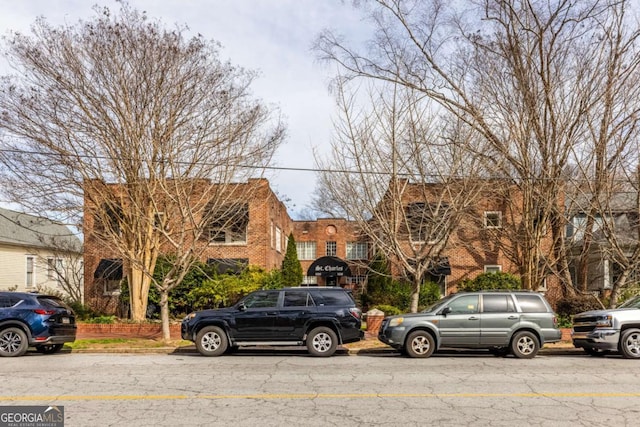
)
(601, 331)
(518, 322)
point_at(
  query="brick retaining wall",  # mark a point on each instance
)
(125, 330)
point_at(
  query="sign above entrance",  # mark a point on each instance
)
(329, 266)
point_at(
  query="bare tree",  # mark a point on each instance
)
(522, 74)
(606, 162)
(151, 129)
(402, 176)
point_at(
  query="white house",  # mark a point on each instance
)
(39, 254)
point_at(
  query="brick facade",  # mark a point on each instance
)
(470, 247)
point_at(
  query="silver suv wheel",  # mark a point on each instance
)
(525, 345)
(630, 344)
(420, 344)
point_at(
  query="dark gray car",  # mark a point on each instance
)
(518, 322)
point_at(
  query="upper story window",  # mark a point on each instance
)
(229, 224)
(357, 250)
(426, 222)
(109, 220)
(331, 249)
(278, 239)
(30, 271)
(306, 250)
(55, 269)
(493, 219)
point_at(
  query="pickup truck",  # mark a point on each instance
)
(599, 332)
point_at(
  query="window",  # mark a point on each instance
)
(357, 250)
(51, 268)
(466, 304)
(309, 280)
(331, 249)
(30, 276)
(493, 219)
(262, 300)
(297, 299)
(357, 280)
(160, 221)
(497, 304)
(492, 268)
(228, 225)
(426, 223)
(531, 303)
(273, 236)
(306, 250)
(278, 239)
(331, 298)
(112, 287)
(110, 219)
(55, 269)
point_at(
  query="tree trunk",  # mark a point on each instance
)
(415, 297)
(164, 315)
(139, 293)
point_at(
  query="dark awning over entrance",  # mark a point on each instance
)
(329, 266)
(109, 269)
(229, 265)
(440, 267)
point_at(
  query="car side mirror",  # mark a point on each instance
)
(242, 307)
(445, 311)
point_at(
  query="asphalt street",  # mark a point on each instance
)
(275, 388)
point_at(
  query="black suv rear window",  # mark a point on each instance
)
(531, 304)
(332, 298)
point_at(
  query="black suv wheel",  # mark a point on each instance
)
(211, 341)
(322, 342)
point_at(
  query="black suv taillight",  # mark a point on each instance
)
(355, 312)
(44, 312)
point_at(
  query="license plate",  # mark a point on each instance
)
(65, 320)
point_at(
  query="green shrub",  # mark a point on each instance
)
(388, 310)
(567, 307)
(487, 281)
(102, 320)
(82, 311)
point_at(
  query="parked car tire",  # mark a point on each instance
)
(630, 344)
(13, 342)
(525, 345)
(322, 341)
(420, 344)
(49, 348)
(211, 341)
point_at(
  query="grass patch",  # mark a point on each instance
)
(104, 343)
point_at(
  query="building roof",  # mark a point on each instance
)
(20, 229)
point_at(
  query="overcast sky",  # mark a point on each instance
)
(271, 36)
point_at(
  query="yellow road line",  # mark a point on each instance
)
(288, 396)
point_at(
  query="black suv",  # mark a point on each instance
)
(34, 320)
(320, 318)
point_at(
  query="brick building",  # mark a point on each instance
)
(332, 251)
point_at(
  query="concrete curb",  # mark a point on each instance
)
(555, 351)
